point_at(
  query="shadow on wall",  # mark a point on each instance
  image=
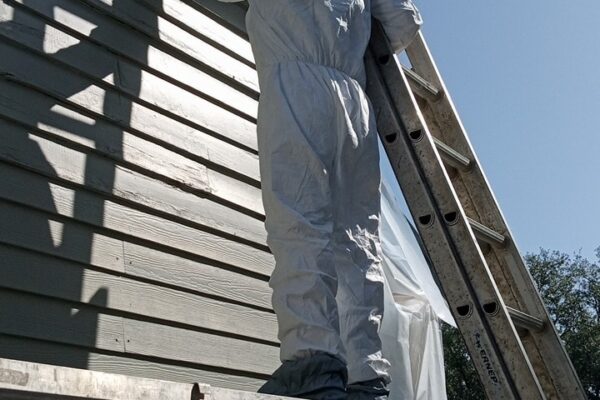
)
(55, 320)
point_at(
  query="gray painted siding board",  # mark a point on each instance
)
(107, 141)
(190, 346)
(104, 213)
(45, 319)
(182, 272)
(229, 188)
(30, 230)
(90, 94)
(122, 43)
(55, 353)
(49, 319)
(236, 15)
(165, 35)
(146, 21)
(153, 90)
(37, 110)
(184, 14)
(133, 14)
(132, 216)
(43, 232)
(43, 275)
(131, 185)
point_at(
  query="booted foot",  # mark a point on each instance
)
(319, 377)
(375, 389)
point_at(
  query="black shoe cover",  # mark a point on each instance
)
(375, 389)
(319, 377)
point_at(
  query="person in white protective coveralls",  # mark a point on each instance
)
(319, 165)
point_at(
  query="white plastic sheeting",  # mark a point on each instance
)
(414, 307)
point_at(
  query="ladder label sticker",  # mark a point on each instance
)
(485, 359)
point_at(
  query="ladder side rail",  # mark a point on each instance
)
(450, 276)
(475, 180)
(546, 350)
(450, 244)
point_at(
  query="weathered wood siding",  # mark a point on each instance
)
(131, 233)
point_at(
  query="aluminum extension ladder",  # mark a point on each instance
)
(512, 342)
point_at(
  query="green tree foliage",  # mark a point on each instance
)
(570, 287)
(461, 378)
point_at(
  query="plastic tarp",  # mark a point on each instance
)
(414, 307)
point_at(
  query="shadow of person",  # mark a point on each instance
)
(73, 242)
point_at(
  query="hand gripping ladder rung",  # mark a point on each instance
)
(505, 325)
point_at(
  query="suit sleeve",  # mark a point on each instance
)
(401, 20)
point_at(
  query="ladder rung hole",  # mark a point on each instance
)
(451, 217)
(426, 219)
(491, 308)
(390, 138)
(463, 311)
(416, 135)
(384, 59)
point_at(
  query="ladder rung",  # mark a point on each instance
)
(451, 156)
(423, 87)
(536, 367)
(486, 234)
(525, 321)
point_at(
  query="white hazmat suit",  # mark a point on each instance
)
(319, 166)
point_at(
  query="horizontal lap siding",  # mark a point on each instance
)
(131, 237)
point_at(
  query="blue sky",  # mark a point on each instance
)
(525, 77)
